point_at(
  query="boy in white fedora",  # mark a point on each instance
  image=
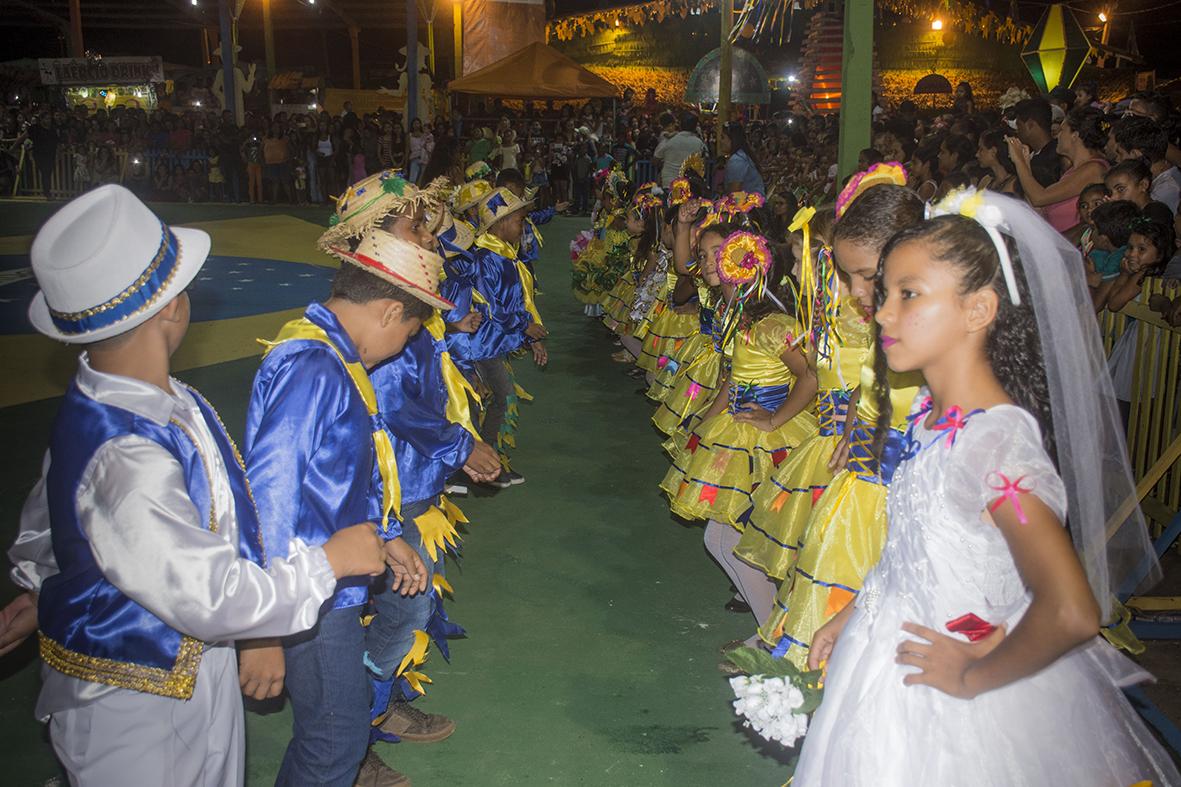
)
(316, 441)
(140, 540)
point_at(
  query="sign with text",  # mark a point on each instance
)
(101, 71)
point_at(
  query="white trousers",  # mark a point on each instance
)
(131, 738)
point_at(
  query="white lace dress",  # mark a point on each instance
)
(1069, 724)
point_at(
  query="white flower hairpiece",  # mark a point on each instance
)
(974, 205)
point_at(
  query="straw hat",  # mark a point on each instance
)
(368, 202)
(498, 204)
(406, 265)
(105, 264)
(477, 171)
(453, 236)
(469, 194)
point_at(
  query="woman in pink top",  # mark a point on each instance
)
(1080, 139)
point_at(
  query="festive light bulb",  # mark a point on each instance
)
(937, 24)
(1102, 17)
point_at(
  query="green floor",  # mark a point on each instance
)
(594, 619)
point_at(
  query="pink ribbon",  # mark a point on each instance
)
(951, 422)
(1009, 491)
(662, 362)
(693, 390)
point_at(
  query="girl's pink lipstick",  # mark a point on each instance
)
(887, 341)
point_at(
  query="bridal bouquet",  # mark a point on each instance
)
(774, 697)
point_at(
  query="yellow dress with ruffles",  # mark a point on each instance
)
(847, 530)
(781, 507)
(617, 304)
(723, 461)
(597, 269)
(668, 331)
(689, 380)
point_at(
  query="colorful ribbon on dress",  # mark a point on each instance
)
(1009, 491)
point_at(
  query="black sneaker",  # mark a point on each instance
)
(455, 488)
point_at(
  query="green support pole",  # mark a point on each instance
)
(856, 85)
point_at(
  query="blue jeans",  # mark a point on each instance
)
(391, 633)
(329, 689)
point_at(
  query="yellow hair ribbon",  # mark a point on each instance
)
(802, 221)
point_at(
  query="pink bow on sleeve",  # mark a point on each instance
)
(1009, 491)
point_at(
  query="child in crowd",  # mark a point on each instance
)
(142, 540)
(1112, 223)
(1147, 252)
(1131, 180)
(980, 614)
(1088, 199)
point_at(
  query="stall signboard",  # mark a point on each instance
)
(100, 71)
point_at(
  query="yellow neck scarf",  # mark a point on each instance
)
(391, 487)
(504, 249)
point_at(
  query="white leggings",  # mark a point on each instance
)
(755, 587)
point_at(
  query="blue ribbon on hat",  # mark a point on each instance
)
(496, 202)
(139, 295)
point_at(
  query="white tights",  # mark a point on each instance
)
(753, 585)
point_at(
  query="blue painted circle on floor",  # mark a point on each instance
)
(226, 287)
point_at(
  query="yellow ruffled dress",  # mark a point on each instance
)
(847, 530)
(668, 331)
(723, 461)
(688, 382)
(617, 302)
(597, 269)
(781, 507)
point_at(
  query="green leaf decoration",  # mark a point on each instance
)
(394, 185)
(334, 219)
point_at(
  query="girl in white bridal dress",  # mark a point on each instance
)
(971, 655)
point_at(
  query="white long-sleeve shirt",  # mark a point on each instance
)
(150, 542)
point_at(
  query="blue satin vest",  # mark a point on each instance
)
(89, 628)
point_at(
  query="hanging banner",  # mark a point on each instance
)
(494, 29)
(100, 71)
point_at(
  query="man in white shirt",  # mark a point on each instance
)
(672, 152)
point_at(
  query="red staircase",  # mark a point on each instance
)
(822, 54)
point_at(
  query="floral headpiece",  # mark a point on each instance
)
(743, 258)
(728, 208)
(885, 172)
(970, 203)
(601, 175)
(744, 261)
(679, 192)
(694, 163)
(648, 198)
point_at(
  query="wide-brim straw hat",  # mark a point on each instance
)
(498, 204)
(469, 195)
(406, 265)
(105, 264)
(454, 236)
(370, 201)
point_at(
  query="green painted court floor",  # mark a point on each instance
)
(594, 619)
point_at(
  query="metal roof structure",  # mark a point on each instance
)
(172, 14)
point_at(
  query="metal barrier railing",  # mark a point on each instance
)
(65, 181)
(1155, 420)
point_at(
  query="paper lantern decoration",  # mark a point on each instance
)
(1057, 49)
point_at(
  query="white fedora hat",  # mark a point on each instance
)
(105, 264)
(403, 264)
